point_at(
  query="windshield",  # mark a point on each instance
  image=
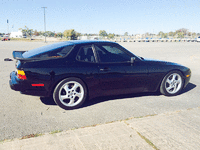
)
(57, 49)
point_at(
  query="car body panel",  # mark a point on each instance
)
(122, 78)
(158, 69)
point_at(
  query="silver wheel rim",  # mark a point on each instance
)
(173, 83)
(71, 93)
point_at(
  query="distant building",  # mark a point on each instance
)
(88, 38)
(138, 36)
(16, 34)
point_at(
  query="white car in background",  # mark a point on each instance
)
(198, 39)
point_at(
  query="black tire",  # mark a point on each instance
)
(70, 93)
(172, 83)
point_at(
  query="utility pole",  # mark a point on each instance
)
(8, 26)
(44, 24)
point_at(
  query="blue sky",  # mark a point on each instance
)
(90, 16)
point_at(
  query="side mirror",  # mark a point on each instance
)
(132, 60)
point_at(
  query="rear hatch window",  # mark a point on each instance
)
(50, 51)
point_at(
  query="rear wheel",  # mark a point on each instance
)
(70, 93)
(172, 83)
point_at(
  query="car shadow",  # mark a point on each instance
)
(93, 101)
(47, 100)
(115, 97)
(189, 87)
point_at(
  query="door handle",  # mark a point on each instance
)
(105, 69)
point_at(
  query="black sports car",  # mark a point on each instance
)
(74, 71)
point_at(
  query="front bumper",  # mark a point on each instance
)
(187, 76)
(25, 87)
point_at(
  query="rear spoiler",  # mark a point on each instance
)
(18, 55)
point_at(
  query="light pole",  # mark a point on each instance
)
(8, 26)
(44, 24)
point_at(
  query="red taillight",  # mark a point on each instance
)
(21, 74)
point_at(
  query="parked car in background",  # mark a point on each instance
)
(5, 39)
(198, 39)
(74, 71)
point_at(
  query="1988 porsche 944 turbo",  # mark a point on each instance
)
(74, 71)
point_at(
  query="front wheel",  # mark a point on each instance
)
(70, 93)
(172, 83)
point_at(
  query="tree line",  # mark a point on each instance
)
(180, 33)
(71, 34)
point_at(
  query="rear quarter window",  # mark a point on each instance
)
(51, 53)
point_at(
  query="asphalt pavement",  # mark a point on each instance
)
(22, 115)
(175, 131)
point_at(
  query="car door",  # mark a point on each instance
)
(117, 75)
(86, 66)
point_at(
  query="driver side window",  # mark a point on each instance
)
(113, 54)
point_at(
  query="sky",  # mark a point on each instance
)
(91, 16)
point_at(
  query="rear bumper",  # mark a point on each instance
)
(25, 87)
(14, 82)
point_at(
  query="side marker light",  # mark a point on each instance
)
(37, 84)
(187, 75)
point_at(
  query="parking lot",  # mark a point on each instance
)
(23, 115)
